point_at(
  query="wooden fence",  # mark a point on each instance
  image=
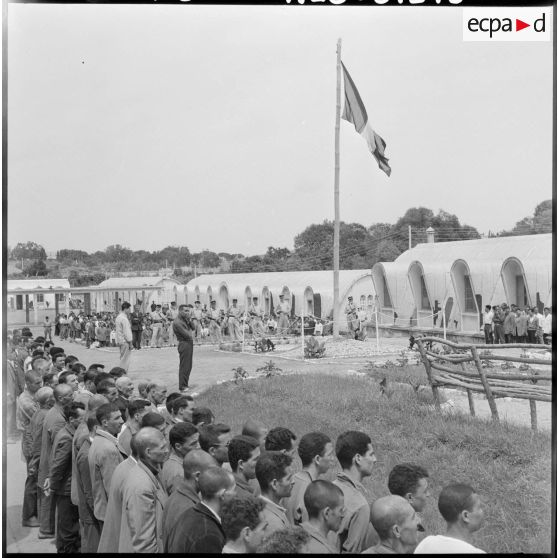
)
(447, 366)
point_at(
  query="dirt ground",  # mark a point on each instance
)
(210, 367)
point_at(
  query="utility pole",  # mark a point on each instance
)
(410, 237)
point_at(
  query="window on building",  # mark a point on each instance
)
(370, 301)
(61, 297)
(424, 300)
(362, 301)
(469, 296)
(40, 297)
(387, 298)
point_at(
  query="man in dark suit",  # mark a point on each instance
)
(184, 328)
(136, 318)
(60, 476)
(198, 529)
(186, 494)
(54, 421)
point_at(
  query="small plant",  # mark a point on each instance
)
(269, 369)
(239, 374)
(403, 359)
(524, 367)
(313, 348)
(507, 365)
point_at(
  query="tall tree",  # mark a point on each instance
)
(538, 223)
(28, 251)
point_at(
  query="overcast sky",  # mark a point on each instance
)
(213, 126)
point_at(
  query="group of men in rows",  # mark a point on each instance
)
(511, 324)
(112, 471)
(235, 320)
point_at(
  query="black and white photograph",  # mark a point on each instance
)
(279, 278)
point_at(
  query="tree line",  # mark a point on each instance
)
(360, 247)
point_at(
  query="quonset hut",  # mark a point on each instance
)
(309, 292)
(457, 279)
(424, 286)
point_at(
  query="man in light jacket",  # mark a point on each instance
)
(124, 335)
(143, 495)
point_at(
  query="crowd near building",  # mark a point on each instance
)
(433, 285)
(116, 467)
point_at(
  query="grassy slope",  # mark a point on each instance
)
(509, 466)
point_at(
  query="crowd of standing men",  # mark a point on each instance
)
(153, 328)
(511, 324)
(112, 470)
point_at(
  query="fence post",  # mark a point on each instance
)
(469, 395)
(488, 391)
(533, 409)
(428, 369)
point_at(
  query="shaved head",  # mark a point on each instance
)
(387, 512)
(197, 461)
(321, 494)
(44, 395)
(147, 438)
(214, 480)
(62, 390)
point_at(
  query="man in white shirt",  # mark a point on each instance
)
(124, 335)
(461, 507)
(282, 310)
(487, 316)
(256, 314)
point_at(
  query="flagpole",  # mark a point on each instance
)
(336, 198)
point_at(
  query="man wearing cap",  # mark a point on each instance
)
(136, 318)
(197, 315)
(156, 324)
(283, 310)
(256, 314)
(352, 316)
(234, 314)
(214, 323)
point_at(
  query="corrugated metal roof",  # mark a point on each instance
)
(534, 247)
(276, 280)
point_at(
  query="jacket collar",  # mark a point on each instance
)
(242, 483)
(345, 479)
(160, 493)
(315, 534)
(204, 510)
(186, 490)
(104, 434)
(274, 508)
